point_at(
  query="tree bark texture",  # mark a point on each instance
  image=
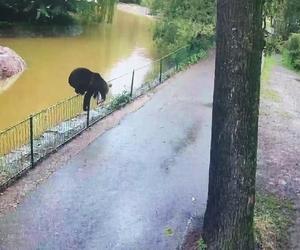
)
(228, 222)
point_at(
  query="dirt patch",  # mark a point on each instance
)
(279, 141)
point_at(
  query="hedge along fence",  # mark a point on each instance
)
(22, 146)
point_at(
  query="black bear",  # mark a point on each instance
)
(88, 83)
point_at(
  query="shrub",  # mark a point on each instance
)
(293, 48)
(183, 22)
(55, 11)
(131, 1)
(120, 100)
(273, 44)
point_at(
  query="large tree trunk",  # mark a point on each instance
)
(228, 222)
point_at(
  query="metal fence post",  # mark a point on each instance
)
(160, 71)
(31, 140)
(88, 116)
(132, 82)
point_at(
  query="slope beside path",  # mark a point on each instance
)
(279, 140)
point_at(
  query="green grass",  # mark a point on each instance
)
(266, 91)
(273, 217)
(201, 245)
(269, 63)
(169, 232)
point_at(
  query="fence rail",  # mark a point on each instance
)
(23, 145)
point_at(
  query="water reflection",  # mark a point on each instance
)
(121, 73)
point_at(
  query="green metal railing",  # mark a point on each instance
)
(26, 143)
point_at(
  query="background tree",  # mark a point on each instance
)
(182, 22)
(55, 11)
(283, 16)
(293, 50)
(281, 21)
(287, 17)
(95, 11)
(228, 222)
(131, 1)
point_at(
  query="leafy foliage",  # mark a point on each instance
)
(201, 245)
(131, 1)
(273, 44)
(281, 18)
(191, 59)
(120, 100)
(284, 16)
(95, 11)
(54, 11)
(293, 48)
(183, 21)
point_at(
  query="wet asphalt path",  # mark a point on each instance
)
(124, 190)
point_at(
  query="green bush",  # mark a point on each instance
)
(183, 22)
(293, 48)
(120, 100)
(201, 245)
(153, 5)
(273, 45)
(131, 1)
(43, 11)
(54, 11)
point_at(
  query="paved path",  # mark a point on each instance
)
(123, 191)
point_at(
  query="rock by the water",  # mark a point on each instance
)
(11, 63)
(11, 67)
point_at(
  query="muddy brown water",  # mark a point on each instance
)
(111, 49)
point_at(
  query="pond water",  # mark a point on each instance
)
(111, 49)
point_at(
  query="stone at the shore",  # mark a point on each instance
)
(11, 63)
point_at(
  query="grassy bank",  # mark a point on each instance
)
(273, 218)
(266, 92)
(273, 215)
